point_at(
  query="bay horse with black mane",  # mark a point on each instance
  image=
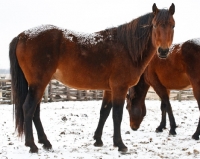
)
(111, 60)
(179, 71)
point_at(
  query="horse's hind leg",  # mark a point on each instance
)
(29, 107)
(196, 91)
(42, 138)
(197, 132)
(104, 113)
(190, 54)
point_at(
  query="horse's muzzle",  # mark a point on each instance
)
(162, 53)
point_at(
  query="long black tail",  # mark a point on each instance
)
(19, 87)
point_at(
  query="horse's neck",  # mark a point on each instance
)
(147, 56)
(141, 88)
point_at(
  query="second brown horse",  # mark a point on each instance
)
(179, 71)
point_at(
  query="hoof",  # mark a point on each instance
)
(33, 147)
(196, 137)
(159, 130)
(123, 149)
(33, 150)
(98, 144)
(49, 147)
(46, 144)
(172, 132)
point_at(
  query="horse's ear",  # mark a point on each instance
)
(172, 9)
(155, 9)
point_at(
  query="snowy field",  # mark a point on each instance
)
(70, 127)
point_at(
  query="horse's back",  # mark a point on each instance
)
(191, 51)
(191, 57)
(82, 61)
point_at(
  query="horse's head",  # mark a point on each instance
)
(136, 109)
(163, 29)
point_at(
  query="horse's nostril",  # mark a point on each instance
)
(166, 51)
(163, 51)
(159, 50)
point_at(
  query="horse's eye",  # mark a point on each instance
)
(154, 26)
(173, 26)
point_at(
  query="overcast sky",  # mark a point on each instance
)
(89, 16)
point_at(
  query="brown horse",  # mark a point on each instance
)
(179, 71)
(110, 60)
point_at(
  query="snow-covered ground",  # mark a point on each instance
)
(70, 127)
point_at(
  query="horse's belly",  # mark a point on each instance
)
(177, 82)
(82, 80)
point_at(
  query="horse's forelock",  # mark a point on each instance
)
(163, 17)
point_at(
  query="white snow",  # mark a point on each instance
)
(172, 47)
(196, 41)
(70, 127)
(33, 32)
(83, 38)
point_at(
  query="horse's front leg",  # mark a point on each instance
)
(118, 104)
(163, 93)
(166, 107)
(104, 113)
(42, 138)
(173, 126)
(163, 118)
